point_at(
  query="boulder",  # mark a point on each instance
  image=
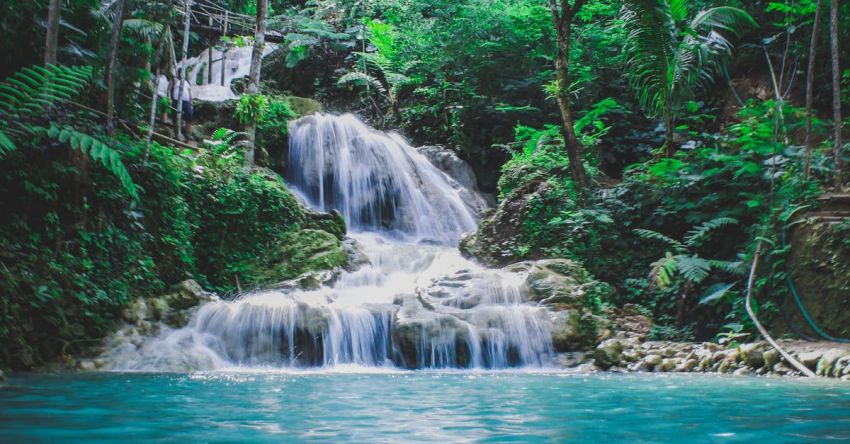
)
(688, 365)
(652, 360)
(608, 354)
(297, 253)
(449, 162)
(497, 241)
(752, 354)
(562, 283)
(771, 358)
(189, 294)
(331, 222)
(827, 362)
(810, 359)
(666, 365)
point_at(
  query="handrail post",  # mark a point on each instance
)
(224, 46)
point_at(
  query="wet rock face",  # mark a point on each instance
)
(300, 252)
(465, 182)
(172, 309)
(495, 242)
(447, 161)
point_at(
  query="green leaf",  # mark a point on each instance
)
(715, 292)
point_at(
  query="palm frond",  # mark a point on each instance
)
(651, 48)
(726, 18)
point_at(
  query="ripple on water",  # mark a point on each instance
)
(420, 406)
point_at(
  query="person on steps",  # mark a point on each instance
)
(186, 98)
(163, 103)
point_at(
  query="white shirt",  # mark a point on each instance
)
(162, 86)
(187, 91)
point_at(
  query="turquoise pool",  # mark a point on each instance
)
(420, 407)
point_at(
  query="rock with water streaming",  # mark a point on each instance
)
(376, 180)
(411, 300)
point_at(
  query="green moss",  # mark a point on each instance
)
(296, 253)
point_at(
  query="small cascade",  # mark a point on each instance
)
(376, 180)
(417, 303)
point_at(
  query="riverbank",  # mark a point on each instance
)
(630, 351)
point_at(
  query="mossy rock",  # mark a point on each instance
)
(332, 222)
(299, 252)
(304, 106)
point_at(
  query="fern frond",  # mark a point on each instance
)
(736, 268)
(698, 235)
(663, 271)
(32, 90)
(654, 235)
(361, 79)
(295, 39)
(97, 150)
(6, 144)
(692, 268)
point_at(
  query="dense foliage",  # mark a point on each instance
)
(93, 217)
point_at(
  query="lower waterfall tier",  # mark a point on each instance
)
(412, 306)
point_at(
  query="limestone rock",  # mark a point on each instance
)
(299, 252)
(827, 362)
(652, 360)
(574, 330)
(752, 355)
(449, 162)
(331, 222)
(608, 353)
(666, 365)
(771, 357)
(189, 294)
(810, 359)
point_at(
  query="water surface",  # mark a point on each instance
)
(420, 406)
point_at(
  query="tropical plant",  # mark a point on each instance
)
(390, 73)
(683, 260)
(669, 57)
(29, 93)
(251, 108)
(224, 148)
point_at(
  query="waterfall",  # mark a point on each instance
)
(417, 303)
(375, 179)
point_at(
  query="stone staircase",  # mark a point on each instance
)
(835, 208)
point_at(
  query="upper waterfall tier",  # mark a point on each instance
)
(375, 179)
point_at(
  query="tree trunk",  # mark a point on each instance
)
(111, 65)
(254, 73)
(184, 56)
(810, 86)
(836, 93)
(51, 40)
(563, 26)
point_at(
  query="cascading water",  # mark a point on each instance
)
(417, 303)
(376, 180)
